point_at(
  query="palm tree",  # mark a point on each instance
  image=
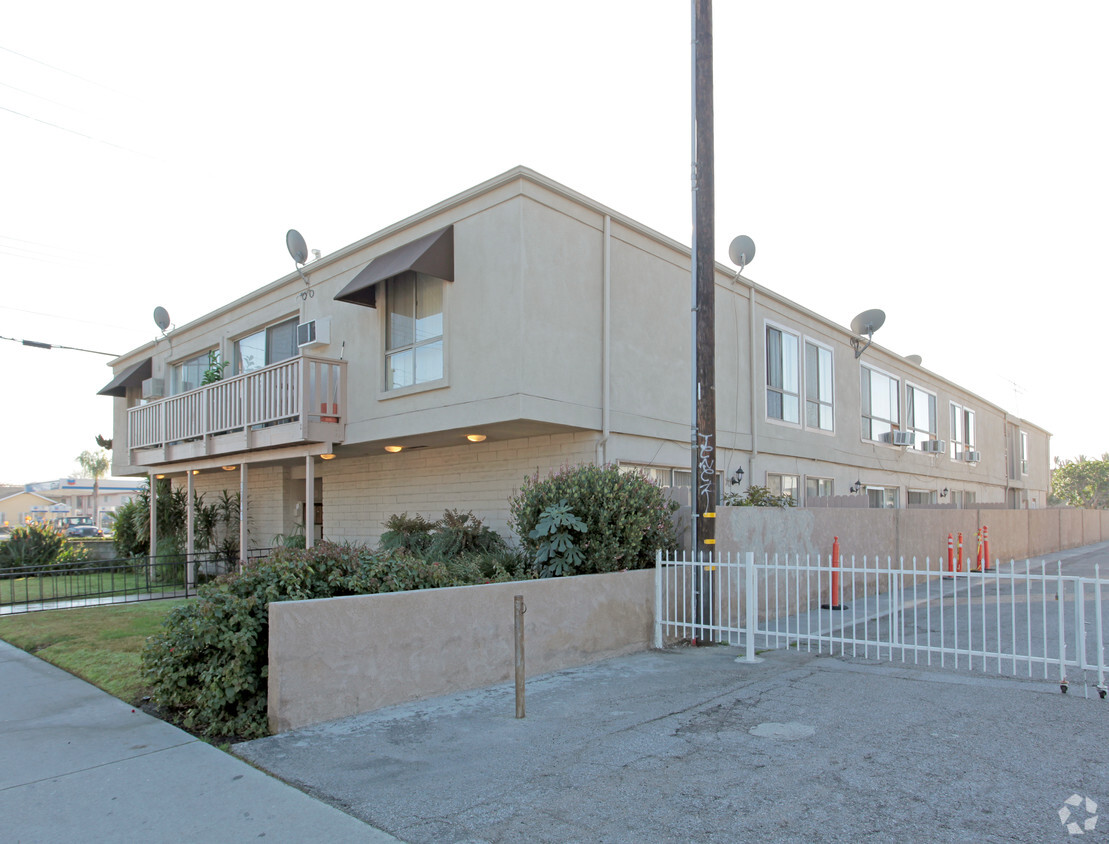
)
(94, 464)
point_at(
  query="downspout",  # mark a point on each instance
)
(606, 340)
(754, 390)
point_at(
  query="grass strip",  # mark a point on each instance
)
(102, 645)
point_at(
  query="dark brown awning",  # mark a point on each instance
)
(432, 254)
(132, 376)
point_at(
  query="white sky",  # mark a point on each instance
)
(945, 162)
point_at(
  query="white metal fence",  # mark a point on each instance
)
(1017, 620)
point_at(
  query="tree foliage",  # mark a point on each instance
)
(1081, 482)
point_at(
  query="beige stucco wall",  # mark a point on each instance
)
(337, 657)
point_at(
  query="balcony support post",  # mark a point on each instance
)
(153, 526)
(243, 488)
(190, 534)
(309, 501)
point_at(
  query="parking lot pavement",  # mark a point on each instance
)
(691, 745)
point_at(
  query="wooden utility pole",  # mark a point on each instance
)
(704, 220)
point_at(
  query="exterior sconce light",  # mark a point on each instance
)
(944, 493)
(856, 487)
(393, 449)
(328, 456)
(476, 438)
(737, 478)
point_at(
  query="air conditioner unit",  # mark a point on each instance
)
(153, 388)
(972, 456)
(933, 446)
(899, 437)
(315, 332)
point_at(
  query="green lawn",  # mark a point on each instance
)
(80, 584)
(100, 644)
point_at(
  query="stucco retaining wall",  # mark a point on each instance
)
(335, 657)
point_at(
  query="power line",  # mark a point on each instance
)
(58, 69)
(35, 344)
(73, 131)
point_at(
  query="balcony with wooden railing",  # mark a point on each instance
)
(302, 400)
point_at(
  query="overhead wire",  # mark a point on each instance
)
(35, 344)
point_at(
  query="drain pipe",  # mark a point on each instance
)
(755, 392)
(606, 340)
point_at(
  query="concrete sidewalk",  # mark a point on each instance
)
(77, 764)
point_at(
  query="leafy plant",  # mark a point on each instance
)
(1081, 482)
(38, 544)
(556, 555)
(758, 496)
(462, 533)
(410, 533)
(209, 663)
(627, 516)
(215, 369)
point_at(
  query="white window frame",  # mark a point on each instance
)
(808, 379)
(963, 422)
(176, 385)
(385, 390)
(1024, 452)
(868, 418)
(931, 493)
(267, 352)
(785, 391)
(775, 482)
(819, 482)
(922, 435)
(889, 493)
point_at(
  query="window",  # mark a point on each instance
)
(1023, 453)
(653, 473)
(783, 376)
(818, 488)
(270, 345)
(818, 387)
(881, 404)
(920, 415)
(962, 431)
(921, 497)
(189, 374)
(784, 485)
(881, 497)
(413, 330)
(682, 476)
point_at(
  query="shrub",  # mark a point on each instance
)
(411, 533)
(38, 544)
(556, 555)
(209, 663)
(454, 534)
(758, 496)
(627, 516)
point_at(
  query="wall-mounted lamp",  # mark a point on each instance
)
(393, 449)
(737, 478)
(856, 487)
(944, 493)
(328, 456)
(476, 438)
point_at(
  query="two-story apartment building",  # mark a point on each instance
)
(518, 327)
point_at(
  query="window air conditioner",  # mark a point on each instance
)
(933, 446)
(972, 456)
(315, 332)
(153, 388)
(899, 437)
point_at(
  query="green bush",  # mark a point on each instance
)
(758, 496)
(39, 544)
(627, 516)
(209, 663)
(454, 534)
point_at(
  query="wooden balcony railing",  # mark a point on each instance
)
(302, 399)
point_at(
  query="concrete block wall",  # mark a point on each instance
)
(360, 493)
(265, 498)
(336, 657)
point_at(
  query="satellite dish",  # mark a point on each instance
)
(915, 360)
(161, 318)
(297, 247)
(866, 323)
(741, 252)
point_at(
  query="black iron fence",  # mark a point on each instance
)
(95, 582)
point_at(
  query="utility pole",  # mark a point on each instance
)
(703, 492)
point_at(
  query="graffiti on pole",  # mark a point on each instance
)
(705, 465)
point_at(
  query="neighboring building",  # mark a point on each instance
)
(19, 508)
(555, 331)
(74, 497)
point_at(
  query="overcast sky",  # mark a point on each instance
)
(945, 162)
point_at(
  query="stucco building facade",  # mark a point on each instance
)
(553, 331)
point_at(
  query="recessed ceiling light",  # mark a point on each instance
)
(229, 468)
(476, 438)
(393, 449)
(328, 456)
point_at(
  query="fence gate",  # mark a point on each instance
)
(1017, 620)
